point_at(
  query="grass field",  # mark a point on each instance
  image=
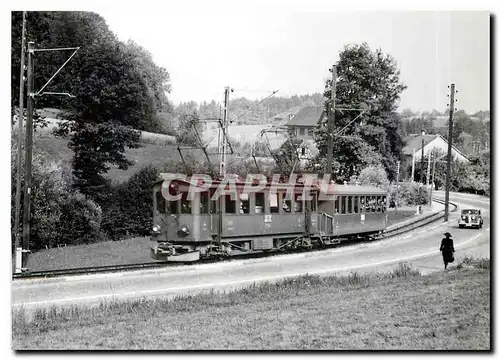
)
(398, 311)
(148, 154)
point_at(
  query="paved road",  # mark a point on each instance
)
(420, 248)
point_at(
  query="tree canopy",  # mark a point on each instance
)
(367, 80)
(116, 87)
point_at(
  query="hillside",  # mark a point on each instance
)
(148, 154)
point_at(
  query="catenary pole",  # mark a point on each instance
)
(29, 155)
(331, 119)
(19, 162)
(448, 159)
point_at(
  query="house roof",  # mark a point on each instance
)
(415, 142)
(348, 189)
(307, 116)
(285, 114)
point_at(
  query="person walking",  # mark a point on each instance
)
(447, 249)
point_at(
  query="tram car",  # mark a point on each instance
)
(278, 217)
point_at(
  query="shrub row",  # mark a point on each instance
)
(59, 214)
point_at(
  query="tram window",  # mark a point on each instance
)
(204, 203)
(213, 207)
(313, 202)
(185, 204)
(160, 203)
(361, 204)
(244, 204)
(259, 203)
(371, 204)
(349, 204)
(384, 203)
(207, 206)
(173, 207)
(287, 204)
(336, 207)
(367, 203)
(342, 204)
(273, 203)
(230, 205)
(297, 203)
(355, 206)
(379, 203)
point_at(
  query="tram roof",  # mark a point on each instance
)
(333, 189)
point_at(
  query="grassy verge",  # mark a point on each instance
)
(124, 252)
(401, 310)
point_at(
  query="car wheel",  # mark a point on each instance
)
(461, 226)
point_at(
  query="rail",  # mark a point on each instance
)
(118, 268)
(425, 220)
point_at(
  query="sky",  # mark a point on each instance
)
(256, 50)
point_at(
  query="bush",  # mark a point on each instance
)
(128, 207)
(373, 175)
(409, 194)
(59, 215)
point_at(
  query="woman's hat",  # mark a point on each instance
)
(447, 234)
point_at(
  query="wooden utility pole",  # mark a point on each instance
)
(413, 166)
(331, 119)
(448, 160)
(17, 221)
(29, 155)
(433, 172)
(429, 167)
(422, 174)
(222, 166)
(397, 184)
(31, 93)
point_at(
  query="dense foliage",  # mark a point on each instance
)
(59, 214)
(128, 209)
(367, 80)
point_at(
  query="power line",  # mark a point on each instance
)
(251, 107)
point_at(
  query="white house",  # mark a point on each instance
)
(431, 143)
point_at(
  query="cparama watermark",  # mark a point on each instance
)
(234, 187)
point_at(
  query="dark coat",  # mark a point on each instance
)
(447, 249)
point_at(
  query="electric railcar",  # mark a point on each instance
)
(277, 217)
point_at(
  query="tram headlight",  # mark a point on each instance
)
(156, 229)
(183, 230)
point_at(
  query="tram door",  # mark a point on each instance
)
(311, 214)
(307, 213)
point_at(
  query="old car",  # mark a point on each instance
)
(470, 218)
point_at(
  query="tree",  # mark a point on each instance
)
(287, 155)
(351, 154)
(156, 80)
(190, 124)
(367, 80)
(117, 88)
(373, 175)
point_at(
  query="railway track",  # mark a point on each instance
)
(396, 230)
